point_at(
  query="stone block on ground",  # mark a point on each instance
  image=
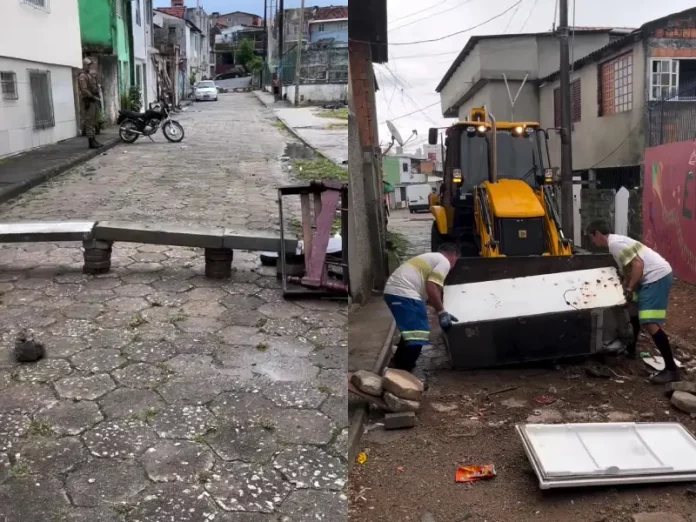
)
(398, 405)
(402, 384)
(682, 386)
(367, 382)
(684, 401)
(395, 421)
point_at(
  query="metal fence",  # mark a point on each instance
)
(42, 98)
(673, 118)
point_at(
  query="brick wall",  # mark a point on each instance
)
(363, 92)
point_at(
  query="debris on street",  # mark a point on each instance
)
(397, 392)
(657, 363)
(27, 349)
(395, 421)
(474, 473)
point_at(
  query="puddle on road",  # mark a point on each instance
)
(298, 151)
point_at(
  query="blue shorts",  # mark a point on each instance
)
(652, 300)
(411, 317)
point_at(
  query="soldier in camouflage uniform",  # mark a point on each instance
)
(89, 100)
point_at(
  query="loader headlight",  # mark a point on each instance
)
(482, 128)
(519, 130)
(529, 131)
(548, 175)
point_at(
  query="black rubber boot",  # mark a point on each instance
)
(94, 144)
(665, 376)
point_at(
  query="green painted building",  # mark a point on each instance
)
(391, 167)
(105, 30)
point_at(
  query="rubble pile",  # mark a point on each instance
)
(683, 396)
(400, 390)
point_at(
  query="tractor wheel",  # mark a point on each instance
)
(437, 239)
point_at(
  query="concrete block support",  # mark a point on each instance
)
(97, 256)
(218, 263)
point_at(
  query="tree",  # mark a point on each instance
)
(245, 53)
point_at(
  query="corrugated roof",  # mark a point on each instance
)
(622, 42)
(178, 12)
(474, 40)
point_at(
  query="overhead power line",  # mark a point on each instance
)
(411, 113)
(418, 12)
(447, 35)
(529, 16)
(512, 18)
(419, 20)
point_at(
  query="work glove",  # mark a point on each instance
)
(628, 294)
(446, 320)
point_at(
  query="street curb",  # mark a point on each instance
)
(258, 97)
(295, 133)
(357, 422)
(17, 189)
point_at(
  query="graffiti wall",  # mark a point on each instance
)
(669, 205)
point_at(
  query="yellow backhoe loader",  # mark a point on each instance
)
(528, 292)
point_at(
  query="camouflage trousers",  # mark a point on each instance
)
(89, 116)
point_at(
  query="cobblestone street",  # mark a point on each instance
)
(165, 396)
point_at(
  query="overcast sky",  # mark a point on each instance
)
(248, 6)
(408, 84)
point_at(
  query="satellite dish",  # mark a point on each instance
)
(395, 133)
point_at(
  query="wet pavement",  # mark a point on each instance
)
(166, 396)
(415, 229)
(327, 135)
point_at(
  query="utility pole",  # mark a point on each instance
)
(281, 22)
(566, 124)
(299, 55)
(265, 45)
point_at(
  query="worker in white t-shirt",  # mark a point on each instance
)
(647, 280)
(416, 282)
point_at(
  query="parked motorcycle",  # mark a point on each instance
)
(132, 125)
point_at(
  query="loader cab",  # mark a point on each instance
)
(522, 154)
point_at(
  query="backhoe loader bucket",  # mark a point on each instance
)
(514, 310)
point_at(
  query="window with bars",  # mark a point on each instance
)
(673, 79)
(575, 104)
(39, 4)
(42, 98)
(8, 82)
(616, 85)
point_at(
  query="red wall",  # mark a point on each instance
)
(669, 205)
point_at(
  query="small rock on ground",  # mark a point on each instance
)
(683, 386)
(402, 384)
(367, 382)
(397, 404)
(684, 401)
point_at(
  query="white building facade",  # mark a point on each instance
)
(140, 48)
(37, 94)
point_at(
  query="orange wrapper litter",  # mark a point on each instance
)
(474, 473)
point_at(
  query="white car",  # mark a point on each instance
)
(206, 90)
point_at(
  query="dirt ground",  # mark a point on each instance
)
(467, 418)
